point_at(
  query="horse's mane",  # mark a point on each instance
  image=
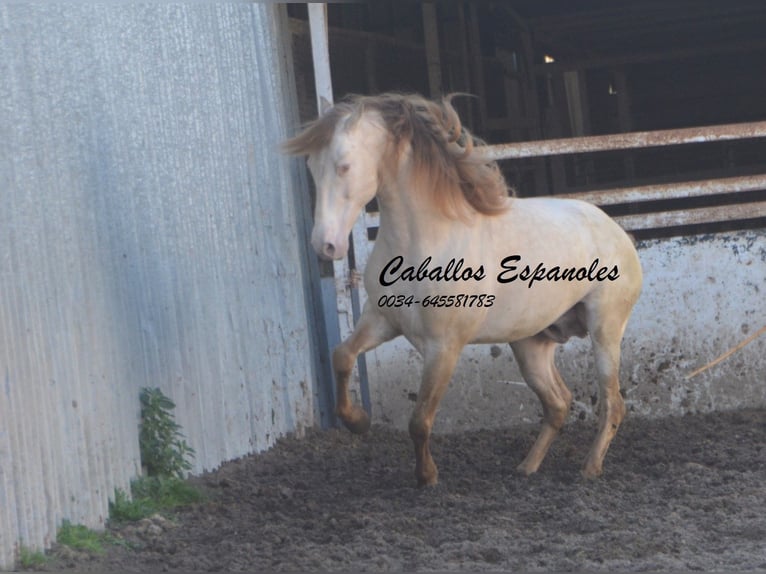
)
(443, 153)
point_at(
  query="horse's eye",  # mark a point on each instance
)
(342, 169)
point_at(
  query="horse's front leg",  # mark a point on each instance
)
(371, 330)
(439, 362)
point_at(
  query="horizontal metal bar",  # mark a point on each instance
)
(666, 218)
(693, 216)
(677, 190)
(638, 194)
(631, 140)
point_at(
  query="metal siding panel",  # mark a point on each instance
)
(149, 237)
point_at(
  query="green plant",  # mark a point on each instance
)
(167, 493)
(29, 559)
(165, 456)
(83, 539)
(79, 537)
(164, 451)
(152, 494)
(125, 509)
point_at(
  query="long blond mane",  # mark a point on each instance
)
(445, 162)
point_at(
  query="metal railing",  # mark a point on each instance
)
(675, 216)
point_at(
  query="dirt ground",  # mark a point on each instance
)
(685, 493)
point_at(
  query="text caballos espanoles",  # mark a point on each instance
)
(511, 270)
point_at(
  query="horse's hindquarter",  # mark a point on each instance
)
(506, 277)
(563, 251)
(557, 253)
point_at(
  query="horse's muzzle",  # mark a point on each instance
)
(329, 248)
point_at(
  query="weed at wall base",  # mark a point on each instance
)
(151, 495)
(165, 456)
(82, 538)
(31, 559)
(164, 452)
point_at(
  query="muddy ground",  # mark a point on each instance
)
(686, 493)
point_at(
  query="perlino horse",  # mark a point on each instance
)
(458, 260)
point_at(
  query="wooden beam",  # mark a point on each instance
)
(632, 15)
(477, 67)
(624, 118)
(577, 103)
(647, 57)
(515, 16)
(433, 59)
(370, 54)
(465, 67)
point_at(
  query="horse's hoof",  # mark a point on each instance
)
(425, 482)
(529, 465)
(591, 472)
(358, 421)
(427, 474)
(525, 470)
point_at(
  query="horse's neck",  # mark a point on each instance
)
(408, 222)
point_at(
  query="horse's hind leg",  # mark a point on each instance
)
(535, 357)
(371, 330)
(606, 339)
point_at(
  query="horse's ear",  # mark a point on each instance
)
(324, 105)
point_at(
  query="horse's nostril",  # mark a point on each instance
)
(329, 249)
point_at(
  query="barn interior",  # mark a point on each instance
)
(558, 69)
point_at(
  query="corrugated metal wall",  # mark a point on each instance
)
(150, 235)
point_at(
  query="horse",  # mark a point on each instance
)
(460, 259)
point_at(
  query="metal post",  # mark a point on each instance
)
(341, 311)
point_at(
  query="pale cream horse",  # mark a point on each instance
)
(525, 260)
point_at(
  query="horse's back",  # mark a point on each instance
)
(571, 226)
(574, 214)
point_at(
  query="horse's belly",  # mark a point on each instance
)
(519, 313)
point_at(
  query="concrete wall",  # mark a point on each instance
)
(150, 235)
(701, 296)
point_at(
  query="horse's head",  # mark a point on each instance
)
(346, 177)
(364, 139)
(344, 149)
